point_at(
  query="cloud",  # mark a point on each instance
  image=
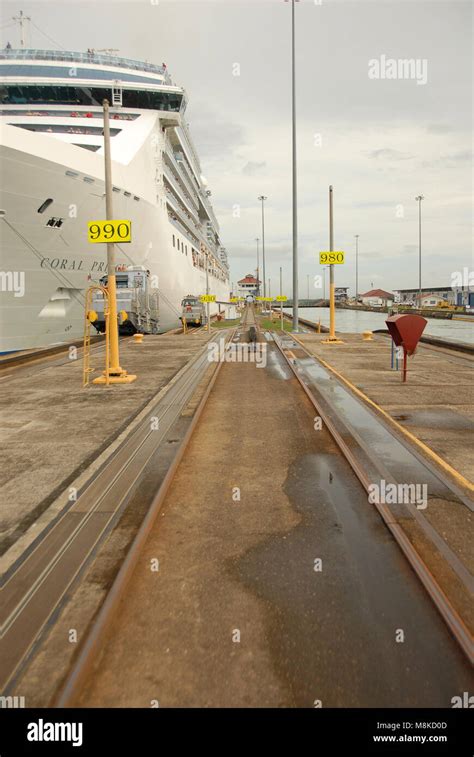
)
(254, 168)
(387, 153)
(438, 129)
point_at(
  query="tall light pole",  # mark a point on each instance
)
(262, 199)
(295, 205)
(258, 268)
(419, 199)
(357, 266)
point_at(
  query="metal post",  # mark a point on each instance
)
(295, 205)
(258, 269)
(307, 276)
(332, 318)
(114, 373)
(357, 267)
(208, 309)
(419, 199)
(281, 301)
(114, 367)
(262, 198)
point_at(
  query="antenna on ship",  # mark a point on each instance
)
(21, 20)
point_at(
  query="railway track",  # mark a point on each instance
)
(370, 467)
(34, 588)
(85, 665)
(120, 477)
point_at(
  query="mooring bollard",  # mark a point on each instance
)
(138, 338)
(367, 336)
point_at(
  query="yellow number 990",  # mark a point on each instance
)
(94, 231)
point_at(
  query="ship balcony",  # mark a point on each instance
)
(168, 175)
(186, 220)
(190, 192)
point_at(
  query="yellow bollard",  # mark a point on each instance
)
(367, 336)
(138, 338)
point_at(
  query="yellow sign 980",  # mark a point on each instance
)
(109, 231)
(207, 298)
(331, 258)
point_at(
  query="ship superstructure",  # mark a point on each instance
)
(52, 185)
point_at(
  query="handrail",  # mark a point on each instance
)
(89, 57)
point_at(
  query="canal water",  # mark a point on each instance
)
(356, 321)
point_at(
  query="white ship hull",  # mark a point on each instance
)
(58, 264)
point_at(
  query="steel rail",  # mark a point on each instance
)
(450, 615)
(41, 577)
(88, 653)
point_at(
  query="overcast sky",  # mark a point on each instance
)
(380, 142)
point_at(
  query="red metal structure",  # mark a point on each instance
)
(406, 331)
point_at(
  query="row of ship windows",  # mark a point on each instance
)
(72, 114)
(176, 243)
(198, 261)
(63, 129)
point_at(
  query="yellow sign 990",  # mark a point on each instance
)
(331, 258)
(109, 231)
(207, 298)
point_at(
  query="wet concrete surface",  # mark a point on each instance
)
(53, 429)
(237, 614)
(436, 403)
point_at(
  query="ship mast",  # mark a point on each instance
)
(21, 20)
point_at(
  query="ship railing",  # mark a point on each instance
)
(89, 57)
(182, 172)
(183, 184)
(187, 218)
(183, 230)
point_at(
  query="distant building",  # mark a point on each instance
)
(377, 298)
(430, 300)
(340, 294)
(410, 296)
(248, 285)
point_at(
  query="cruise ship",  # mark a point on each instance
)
(52, 185)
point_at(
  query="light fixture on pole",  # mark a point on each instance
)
(357, 266)
(419, 199)
(294, 176)
(262, 199)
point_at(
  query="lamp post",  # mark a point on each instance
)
(258, 268)
(294, 173)
(419, 199)
(262, 199)
(357, 266)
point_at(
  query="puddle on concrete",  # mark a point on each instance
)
(332, 631)
(277, 364)
(380, 443)
(442, 417)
